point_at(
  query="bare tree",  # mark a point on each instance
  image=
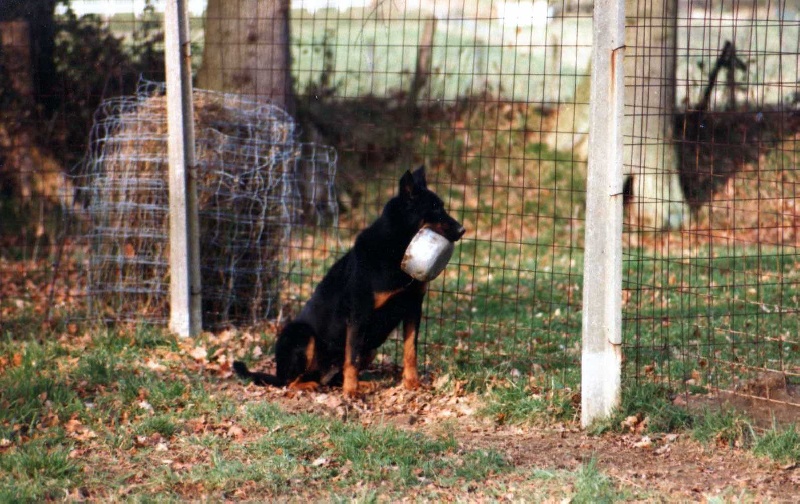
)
(650, 156)
(246, 49)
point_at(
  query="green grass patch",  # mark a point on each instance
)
(586, 484)
(592, 486)
(37, 470)
(781, 444)
(34, 390)
(725, 427)
(349, 453)
(519, 402)
(687, 318)
(651, 401)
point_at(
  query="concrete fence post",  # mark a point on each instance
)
(601, 359)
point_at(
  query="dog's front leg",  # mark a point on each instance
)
(410, 336)
(352, 351)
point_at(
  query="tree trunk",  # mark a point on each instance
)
(15, 60)
(246, 50)
(650, 157)
(423, 69)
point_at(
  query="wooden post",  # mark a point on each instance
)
(184, 253)
(602, 271)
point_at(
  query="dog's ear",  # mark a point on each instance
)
(408, 186)
(419, 177)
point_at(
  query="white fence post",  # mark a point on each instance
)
(601, 360)
(184, 248)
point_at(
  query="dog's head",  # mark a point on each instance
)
(421, 207)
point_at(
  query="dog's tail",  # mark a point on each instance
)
(258, 378)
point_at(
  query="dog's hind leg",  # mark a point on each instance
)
(296, 354)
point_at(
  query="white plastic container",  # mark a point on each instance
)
(427, 255)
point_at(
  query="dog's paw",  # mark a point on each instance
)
(310, 386)
(350, 389)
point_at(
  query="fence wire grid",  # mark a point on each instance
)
(493, 98)
(713, 306)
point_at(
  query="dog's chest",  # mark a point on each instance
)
(405, 296)
(390, 309)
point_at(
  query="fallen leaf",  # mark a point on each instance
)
(235, 432)
(73, 425)
(199, 353)
(155, 366)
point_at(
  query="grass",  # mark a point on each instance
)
(702, 320)
(727, 427)
(655, 412)
(647, 401)
(37, 470)
(780, 443)
(520, 402)
(127, 414)
(374, 455)
(592, 486)
(99, 398)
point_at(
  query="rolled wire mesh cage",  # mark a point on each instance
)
(248, 180)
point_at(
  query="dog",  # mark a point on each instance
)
(362, 299)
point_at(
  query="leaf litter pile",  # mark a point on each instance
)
(98, 414)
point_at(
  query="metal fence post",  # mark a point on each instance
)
(184, 254)
(602, 282)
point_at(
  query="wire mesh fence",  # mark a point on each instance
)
(482, 99)
(493, 98)
(713, 307)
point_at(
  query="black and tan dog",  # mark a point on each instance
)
(362, 299)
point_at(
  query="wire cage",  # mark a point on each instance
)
(247, 196)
